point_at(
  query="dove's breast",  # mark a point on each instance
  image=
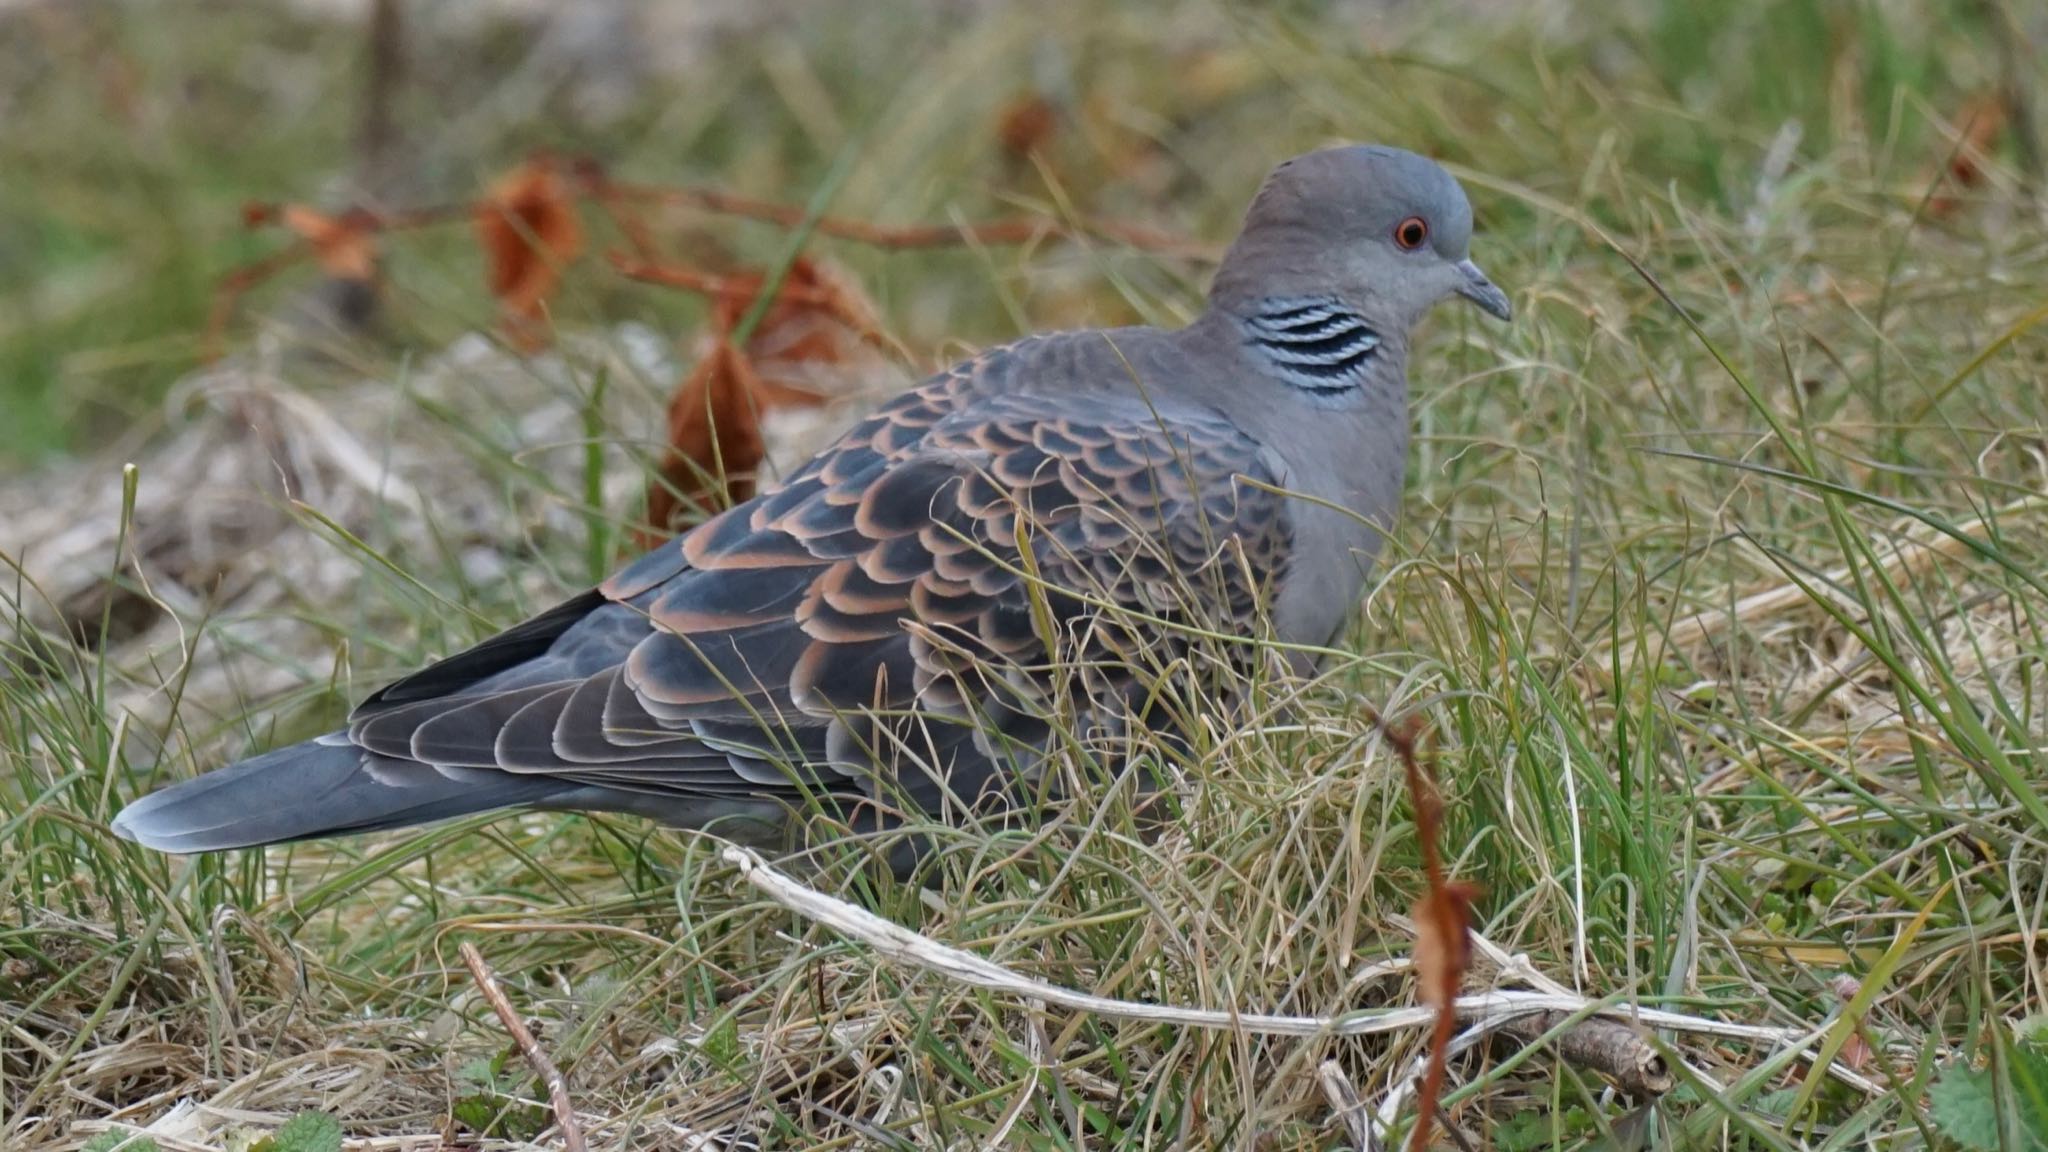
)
(1345, 472)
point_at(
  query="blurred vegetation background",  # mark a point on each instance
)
(132, 139)
(1720, 577)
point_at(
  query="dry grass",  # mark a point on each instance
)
(1721, 583)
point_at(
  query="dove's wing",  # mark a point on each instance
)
(921, 566)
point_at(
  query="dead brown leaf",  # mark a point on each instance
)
(714, 440)
(1443, 917)
(818, 323)
(1026, 125)
(344, 245)
(1980, 122)
(529, 229)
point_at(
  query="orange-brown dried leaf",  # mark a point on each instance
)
(1443, 953)
(714, 440)
(1026, 125)
(529, 229)
(1856, 1053)
(1981, 121)
(797, 357)
(1443, 942)
(1443, 917)
(820, 319)
(345, 245)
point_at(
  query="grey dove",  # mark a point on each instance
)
(884, 632)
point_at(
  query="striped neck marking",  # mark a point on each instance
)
(1318, 343)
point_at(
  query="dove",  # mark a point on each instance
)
(887, 631)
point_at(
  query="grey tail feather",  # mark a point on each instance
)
(324, 787)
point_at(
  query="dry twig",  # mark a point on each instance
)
(546, 214)
(894, 942)
(1613, 1048)
(1344, 1101)
(1443, 923)
(1608, 1047)
(536, 1058)
(992, 233)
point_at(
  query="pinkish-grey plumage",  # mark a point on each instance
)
(888, 630)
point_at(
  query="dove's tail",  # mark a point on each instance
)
(324, 787)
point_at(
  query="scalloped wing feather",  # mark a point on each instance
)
(889, 621)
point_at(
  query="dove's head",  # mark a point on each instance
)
(1386, 230)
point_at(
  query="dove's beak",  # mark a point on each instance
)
(1474, 286)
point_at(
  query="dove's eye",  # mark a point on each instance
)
(1411, 233)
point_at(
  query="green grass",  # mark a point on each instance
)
(1721, 382)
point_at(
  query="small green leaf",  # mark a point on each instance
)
(121, 1141)
(2029, 1080)
(476, 1113)
(306, 1132)
(722, 1043)
(1965, 1102)
(1965, 1108)
(1536, 1129)
(1777, 1104)
(500, 1117)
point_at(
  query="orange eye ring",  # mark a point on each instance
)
(1411, 233)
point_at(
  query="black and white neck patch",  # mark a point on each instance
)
(1316, 343)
